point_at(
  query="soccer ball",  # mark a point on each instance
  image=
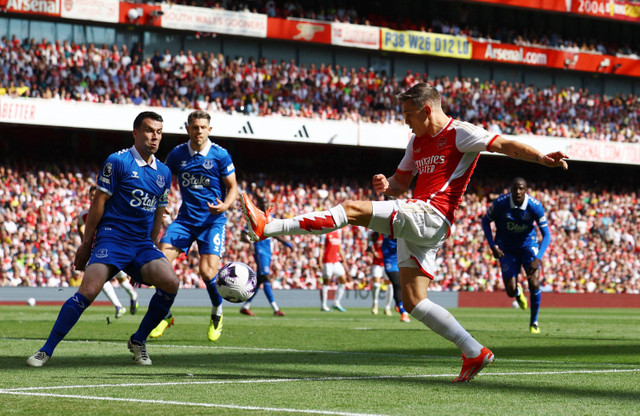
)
(236, 282)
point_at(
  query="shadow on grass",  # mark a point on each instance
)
(312, 367)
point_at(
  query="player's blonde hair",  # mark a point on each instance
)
(198, 114)
(421, 94)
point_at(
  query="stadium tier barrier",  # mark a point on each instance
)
(311, 298)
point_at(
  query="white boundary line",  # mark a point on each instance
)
(287, 380)
(28, 391)
(176, 403)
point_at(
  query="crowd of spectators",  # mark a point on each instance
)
(452, 18)
(214, 83)
(595, 233)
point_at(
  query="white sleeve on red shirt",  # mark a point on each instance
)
(407, 164)
(472, 138)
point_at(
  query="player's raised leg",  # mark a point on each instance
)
(261, 225)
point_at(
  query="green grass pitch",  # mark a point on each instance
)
(585, 362)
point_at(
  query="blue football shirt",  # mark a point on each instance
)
(136, 189)
(200, 176)
(515, 225)
(390, 253)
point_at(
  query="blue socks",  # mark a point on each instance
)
(401, 307)
(216, 299)
(67, 318)
(535, 305)
(267, 291)
(159, 308)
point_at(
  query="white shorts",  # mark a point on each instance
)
(420, 229)
(330, 270)
(377, 270)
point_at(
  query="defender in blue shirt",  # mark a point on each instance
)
(516, 243)
(389, 248)
(122, 226)
(262, 255)
(207, 180)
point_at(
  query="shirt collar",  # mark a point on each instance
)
(203, 152)
(140, 161)
(524, 202)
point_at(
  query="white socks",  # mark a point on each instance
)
(376, 293)
(387, 304)
(128, 288)
(339, 294)
(320, 222)
(440, 321)
(108, 290)
(324, 291)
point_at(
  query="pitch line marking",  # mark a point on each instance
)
(177, 403)
(286, 380)
(383, 354)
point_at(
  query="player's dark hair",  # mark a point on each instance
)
(146, 114)
(198, 114)
(518, 179)
(420, 94)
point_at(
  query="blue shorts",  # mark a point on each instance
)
(514, 260)
(210, 238)
(117, 249)
(263, 264)
(391, 266)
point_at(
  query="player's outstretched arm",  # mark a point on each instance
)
(523, 151)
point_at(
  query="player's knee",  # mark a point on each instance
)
(408, 304)
(357, 210)
(170, 284)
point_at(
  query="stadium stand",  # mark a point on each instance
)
(595, 233)
(528, 27)
(113, 75)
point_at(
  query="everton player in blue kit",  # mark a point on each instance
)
(262, 255)
(389, 250)
(122, 226)
(208, 186)
(516, 243)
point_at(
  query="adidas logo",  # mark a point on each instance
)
(302, 133)
(246, 129)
